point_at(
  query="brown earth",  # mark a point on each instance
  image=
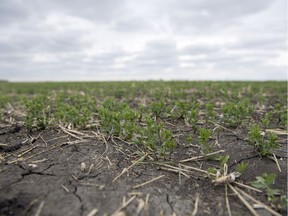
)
(41, 174)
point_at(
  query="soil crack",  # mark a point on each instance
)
(169, 202)
(74, 192)
(30, 172)
(243, 159)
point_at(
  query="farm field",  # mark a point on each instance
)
(143, 148)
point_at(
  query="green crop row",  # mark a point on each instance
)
(138, 111)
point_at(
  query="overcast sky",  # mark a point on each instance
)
(80, 40)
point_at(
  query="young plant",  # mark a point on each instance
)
(233, 114)
(283, 118)
(223, 160)
(266, 120)
(122, 122)
(192, 115)
(189, 138)
(156, 138)
(274, 196)
(189, 111)
(180, 109)
(110, 121)
(158, 108)
(203, 139)
(38, 112)
(261, 142)
(128, 123)
(212, 172)
(168, 143)
(210, 114)
(242, 167)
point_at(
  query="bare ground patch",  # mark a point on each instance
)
(54, 173)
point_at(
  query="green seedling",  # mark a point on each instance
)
(158, 108)
(155, 137)
(223, 160)
(192, 117)
(110, 121)
(189, 138)
(283, 118)
(266, 120)
(242, 167)
(264, 182)
(262, 142)
(128, 123)
(38, 112)
(75, 109)
(168, 143)
(112, 105)
(189, 111)
(121, 123)
(203, 140)
(3, 101)
(212, 172)
(209, 112)
(181, 109)
(234, 114)
(78, 117)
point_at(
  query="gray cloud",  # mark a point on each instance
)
(198, 49)
(11, 11)
(206, 16)
(132, 24)
(157, 54)
(104, 11)
(170, 39)
(275, 42)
